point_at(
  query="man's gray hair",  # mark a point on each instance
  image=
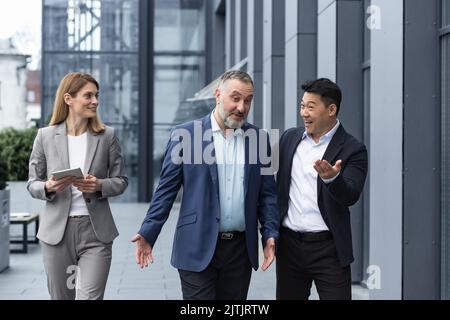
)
(235, 75)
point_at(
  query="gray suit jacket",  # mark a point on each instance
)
(103, 160)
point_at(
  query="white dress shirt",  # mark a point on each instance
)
(77, 154)
(303, 213)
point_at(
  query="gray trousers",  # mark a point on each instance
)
(78, 266)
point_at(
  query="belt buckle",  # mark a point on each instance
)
(226, 235)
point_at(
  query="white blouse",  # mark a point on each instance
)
(77, 155)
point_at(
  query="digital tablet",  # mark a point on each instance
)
(68, 172)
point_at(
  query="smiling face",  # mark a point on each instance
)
(84, 103)
(233, 100)
(317, 116)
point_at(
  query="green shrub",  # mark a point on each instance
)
(15, 150)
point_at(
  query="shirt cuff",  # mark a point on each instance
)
(328, 181)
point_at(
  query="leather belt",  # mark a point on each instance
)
(230, 235)
(308, 236)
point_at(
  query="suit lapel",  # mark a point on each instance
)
(293, 148)
(62, 145)
(335, 145)
(247, 166)
(92, 143)
(207, 140)
(333, 149)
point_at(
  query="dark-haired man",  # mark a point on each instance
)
(322, 172)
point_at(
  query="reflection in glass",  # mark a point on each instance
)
(179, 68)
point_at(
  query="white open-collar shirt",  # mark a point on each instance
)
(303, 213)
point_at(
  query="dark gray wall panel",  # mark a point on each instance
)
(349, 55)
(146, 104)
(421, 194)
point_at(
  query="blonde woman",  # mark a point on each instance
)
(77, 228)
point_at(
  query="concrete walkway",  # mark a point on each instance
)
(25, 279)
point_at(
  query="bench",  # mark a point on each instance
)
(24, 219)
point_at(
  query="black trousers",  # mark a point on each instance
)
(227, 277)
(302, 259)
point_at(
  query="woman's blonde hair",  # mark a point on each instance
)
(72, 83)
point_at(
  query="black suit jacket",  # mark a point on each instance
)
(335, 198)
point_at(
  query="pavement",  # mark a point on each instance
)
(26, 279)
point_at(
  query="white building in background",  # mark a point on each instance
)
(33, 85)
(13, 93)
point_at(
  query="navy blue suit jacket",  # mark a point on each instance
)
(198, 222)
(333, 198)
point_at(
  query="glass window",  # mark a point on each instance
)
(179, 25)
(179, 68)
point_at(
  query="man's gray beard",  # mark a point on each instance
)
(230, 123)
(233, 124)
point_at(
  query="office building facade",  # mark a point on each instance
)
(390, 57)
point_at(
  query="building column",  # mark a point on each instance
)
(385, 154)
(300, 55)
(255, 57)
(273, 64)
(146, 106)
(422, 152)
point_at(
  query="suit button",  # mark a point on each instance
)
(88, 200)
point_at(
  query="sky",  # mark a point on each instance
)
(24, 17)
